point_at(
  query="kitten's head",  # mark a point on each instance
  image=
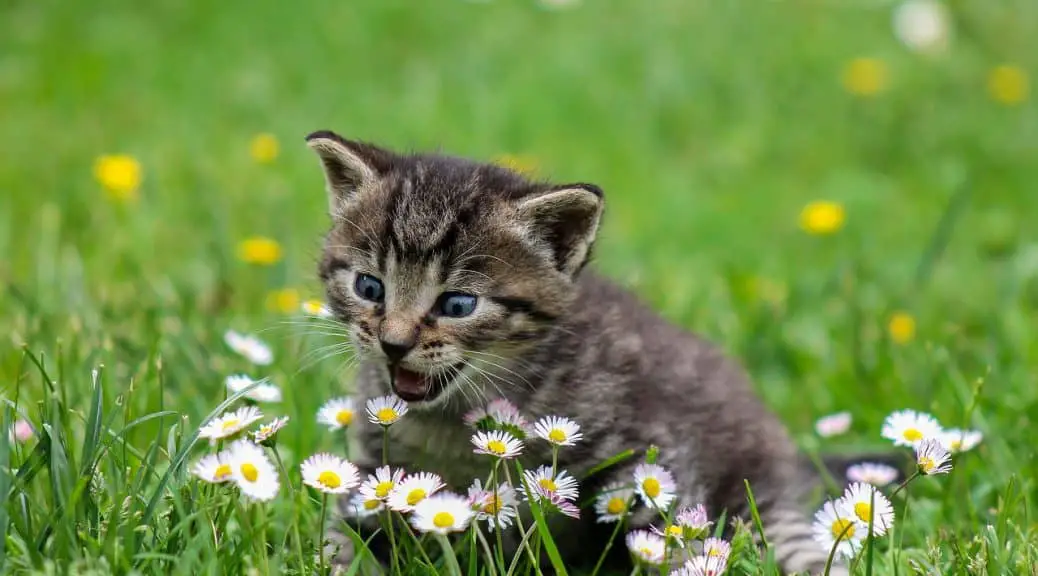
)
(438, 263)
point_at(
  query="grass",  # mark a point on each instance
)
(709, 125)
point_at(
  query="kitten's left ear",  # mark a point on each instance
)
(348, 165)
(566, 218)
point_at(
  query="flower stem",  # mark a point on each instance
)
(904, 484)
(609, 543)
(832, 552)
(292, 497)
(392, 539)
(448, 555)
(495, 511)
(320, 543)
(385, 445)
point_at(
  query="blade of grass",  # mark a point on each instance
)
(542, 528)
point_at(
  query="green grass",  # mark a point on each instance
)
(709, 125)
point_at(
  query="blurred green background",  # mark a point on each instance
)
(710, 125)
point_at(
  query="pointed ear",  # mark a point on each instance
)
(566, 218)
(348, 165)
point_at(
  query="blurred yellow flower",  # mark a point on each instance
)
(264, 148)
(285, 300)
(865, 76)
(523, 164)
(1008, 84)
(901, 327)
(822, 217)
(259, 250)
(120, 175)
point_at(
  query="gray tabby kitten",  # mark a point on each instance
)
(460, 282)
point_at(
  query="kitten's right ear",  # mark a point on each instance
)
(348, 165)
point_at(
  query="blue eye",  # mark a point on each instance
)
(369, 288)
(456, 304)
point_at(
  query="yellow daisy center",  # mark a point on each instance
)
(645, 552)
(443, 520)
(616, 505)
(956, 445)
(493, 505)
(230, 424)
(329, 479)
(222, 471)
(863, 510)
(312, 306)
(371, 504)
(556, 435)
(344, 417)
(676, 532)
(651, 486)
(386, 415)
(912, 434)
(548, 484)
(926, 464)
(415, 496)
(383, 488)
(713, 551)
(497, 447)
(843, 529)
(249, 471)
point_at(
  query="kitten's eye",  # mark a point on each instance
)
(456, 304)
(369, 288)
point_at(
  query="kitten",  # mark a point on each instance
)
(460, 282)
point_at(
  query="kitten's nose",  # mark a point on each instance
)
(395, 351)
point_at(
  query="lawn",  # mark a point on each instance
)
(713, 127)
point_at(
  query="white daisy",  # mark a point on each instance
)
(833, 424)
(956, 440)
(385, 410)
(861, 500)
(497, 443)
(558, 431)
(646, 546)
(554, 502)
(499, 414)
(412, 490)
(921, 25)
(316, 308)
(932, 458)
(495, 507)
(262, 392)
(442, 513)
(542, 483)
(831, 523)
(230, 423)
(252, 348)
(329, 474)
(362, 506)
(908, 427)
(379, 485)
(267, 431)
(252, 470)
(673, 531)
(213, 468)
(717, 548)
(613, 502)
(694, 520)
(337, 413)
(655, 485)
(703, 566)
(875, 474)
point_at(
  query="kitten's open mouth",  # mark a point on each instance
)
(418, 387)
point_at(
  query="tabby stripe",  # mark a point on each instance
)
(519, 305)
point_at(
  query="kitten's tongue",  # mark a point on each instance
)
(408, 385)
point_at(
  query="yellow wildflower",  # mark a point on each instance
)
(259, 250)
(865, 76)
(901, 327)
(120, 175)
(264, 148)
(822, 217)
(285, 300)
(521, 163)
(1008, 84)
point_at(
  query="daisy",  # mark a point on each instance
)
(267, 431)
(646, 546)
(362, 506)
(21, 432)
(672, 531)
(861, 500)
(908, 427)
(554, 502)
(261, 392)
(542, 483)
(381, 483)
(385, 410)
(497, 443)
(832, 524)
(230, 423)
(558, 431)
(316, 308)
(252, 471)
(496, 507)
(833, 424)
(655, 485)
(329, 474)
(704, 566)
(252, 348)
(717, 548)
(412, 490)
(932, 458)
(693, 519)
(499, 414)
(921, 25)
(956, 440)
(213, 468)
(613, 502)
(442, 513)
(336, 413)
(875, 474)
